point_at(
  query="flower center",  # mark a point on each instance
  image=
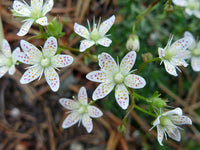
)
(36, 13)
(6, 62)
(45, 62)
(191, 5)
(169, 53)
(95, 35)
(82, 109)
(119, 78)
(165, 121)
(196, 52)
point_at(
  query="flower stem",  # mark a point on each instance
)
(139, 96)
(92, 57)
(70, 48)
(41, 30)
(92, 102)
(144, 111)
(146, 62)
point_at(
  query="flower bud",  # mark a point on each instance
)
(147, 56)
(133, 43)
(156, 101)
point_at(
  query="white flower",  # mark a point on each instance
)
(191, 6)
(174, 55)
(167, 122)
(96, 36)
(80, 111)
(32, 14)
(119, 76)
(195, 52)
(7, 60)
(45, 61)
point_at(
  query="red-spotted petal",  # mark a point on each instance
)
(22, 57)
(160, 134)
(181, 44)
(31, 74)
(106, 25)
(99, 76)
(180, 120)
(122, 96)
(85, 44)
(81, 30)
(6, 48)
(68, 103)
(42, 21)
(94, 112)
(102, 90)
(179, 62)
(127, 62)
(161, 52)
(170, 68)
(3, 71)
(104, 42)
(50, 47)
(70, 120)
(82, 96)
(134, 81)
(21, 8)
(25, 27)
(87, 123)
(47, 6)
(36, 4)
(173, 133)
(52, 78)
(61, 60)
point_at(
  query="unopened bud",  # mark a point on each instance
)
(133, 43)
(147, 56)
(156, 101)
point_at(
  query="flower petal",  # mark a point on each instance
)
(102, 90)
(81, 30)
(14, 54)
(82, 96)
(99, 76)
(106, 25)
(107, 63)
(21, 8)
(11, 70)
(94, 112)
(197, 14)
(31, 74)
(87, 123)
(160, 135)
(31, 50)
(85, 44)
(176, 111)
(195, 62)
(52, 78)
(181, 44)
(161, 52)
(134, 81)
(68, 103)
(22, 57)
(104, 41)
(50, 47)
(188, 11)
(173, 133)
(179, 62)
(61, 60)
(188, 34)
(122, 96)
(157, 121)
(183, 55)
(70, 120)
(3, 71)
(42, 21)
(25, 27)
(170, 68)
(127, 62)
(36, 4)
(181, 3)
(6, 48)
(180, 120)
(47, 7)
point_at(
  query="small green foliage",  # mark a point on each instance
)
(156, 102)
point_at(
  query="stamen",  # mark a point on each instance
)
(89, 25)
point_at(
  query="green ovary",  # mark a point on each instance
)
(95, 35)
(82, 109)
(119, 78)
(165, 121)
(36, 13)
(6, 62)
(45, 62)
(169, 54)
(191, 5)
(196, 52)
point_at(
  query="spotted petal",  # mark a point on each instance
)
(102, 90)
(70, 120)
(6, 48)
(179, 62)
(122, 96)
(3, 71)
(50, 47)
(68, 103)
(94, 112)
(180, 120)
(42, 21)
(82, 96)
(99, 76)
(177, 111)
(47, 7)
(52, 78)
(21, 8)
(14, 54)
(87, 123)
(160, 135)
(81, 30)
(195, 62)
(25, 27)
(31, 74)
(106, 25)
(181, 44)
(127, 62)
(170, 68)
(36, 4)
(61, 61)
(11, 70)
(161, 52)
(134, 81)
(104, 41)
(85, 44)
(174, 133)
(22, 57)
(31, 50)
